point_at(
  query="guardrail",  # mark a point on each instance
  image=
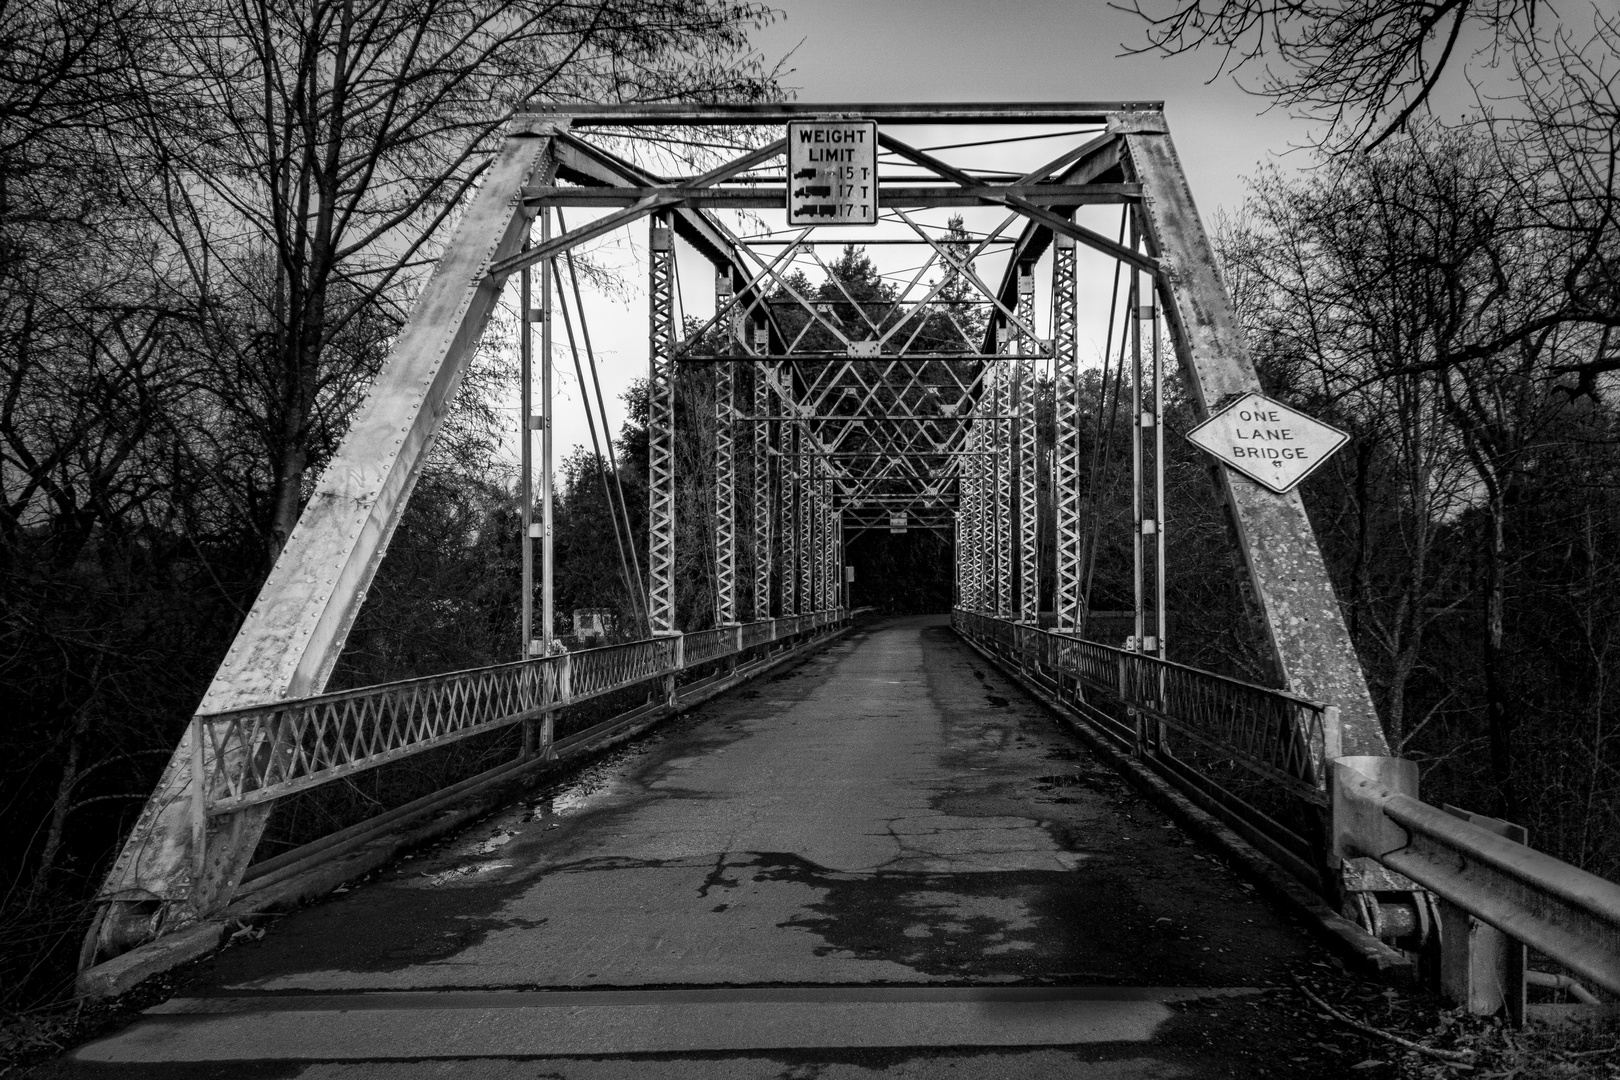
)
(1252, 755)
(244, 757)
(1557, 909)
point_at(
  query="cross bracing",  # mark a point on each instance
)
(851, 413)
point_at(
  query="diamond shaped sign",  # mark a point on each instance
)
(1267, 441)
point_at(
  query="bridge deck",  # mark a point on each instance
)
(796, 866)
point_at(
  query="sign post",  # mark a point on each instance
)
(832, 172)
(1270, 443)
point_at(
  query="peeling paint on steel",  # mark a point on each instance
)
(291, 638)
(1308, 634)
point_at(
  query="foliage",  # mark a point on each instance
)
(1471, 526)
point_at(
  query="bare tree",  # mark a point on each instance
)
(1361, 67)
(313, 156)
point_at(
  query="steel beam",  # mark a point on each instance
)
(661, 429)
(725, 496)
(171, 872)
(918, 197)
(763, 531)
(1006, 112)
(1068, 600)
(1029, 579)
(1002, 492)
(1308, 636)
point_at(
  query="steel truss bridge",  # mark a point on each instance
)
(829, 419)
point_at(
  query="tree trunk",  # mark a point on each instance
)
(1498, 720)
(62, 804)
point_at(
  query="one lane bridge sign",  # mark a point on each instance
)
(832, 172)
(1267, 441)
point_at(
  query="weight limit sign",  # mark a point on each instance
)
(832, 172)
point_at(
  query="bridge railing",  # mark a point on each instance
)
(263, 753)
(1253, 755)
(1475, 867)
(1343, 808)
(1273, 733)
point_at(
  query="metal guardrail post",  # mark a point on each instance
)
(1332, 740)
(1481, 968)
(677, 663)
(565, 695)
(547, 695)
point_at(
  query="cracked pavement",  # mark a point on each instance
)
(891, 813)
(870, 818)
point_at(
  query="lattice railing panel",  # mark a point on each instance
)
(1278, 736)
(612, 667)
(1272, 733)
(259, 754)
(758, 633)
(707, 645)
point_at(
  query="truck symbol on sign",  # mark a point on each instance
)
(813, 191)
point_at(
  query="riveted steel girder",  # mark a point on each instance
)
(725, 496)
(186, 868)
(1029, 577)
(661, 429)
(1068, 601)
(1308, 634)
(1002, 491)
(764, 523)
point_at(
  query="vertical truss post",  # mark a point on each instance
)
(979, 556)
(1066, 439)
(958, 523)
(725, 478)
(790, 513)
(1155, 417)
(824, 552)
(762, 491)
(805, 555)
(1002, 491)
(818, 537)
(1138, 627)
(661, 430)
(1147, 464)
(835, 554)
(968, 547)
(843, 562)
(725, 496)
(548, 536)
(526, 461)
(1029, 580)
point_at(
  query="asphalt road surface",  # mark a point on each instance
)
(886, 862)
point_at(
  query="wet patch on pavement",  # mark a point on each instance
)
(889, 813)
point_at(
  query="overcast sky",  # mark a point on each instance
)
(1029, 50)
(962, 50)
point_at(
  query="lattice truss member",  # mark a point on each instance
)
(834, 414)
